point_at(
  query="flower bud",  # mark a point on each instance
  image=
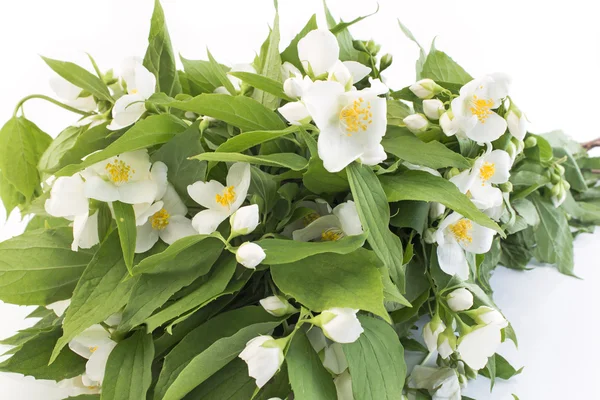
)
(448, 123)
(460, 299)
(517, 122)
(429, 235)
(560, 169)
(446, 343)
(433, 108)
(250, 255)
(451, 173)
(416, 123)
(385, 62)
(277, 306)
(531, 141)
(506, 187)
(339, 324)
(425, 88)
(431, 332)
(244, 220)
(555, 178)
(289, 70)
(488, 316)
(264, 356)
(372, 47)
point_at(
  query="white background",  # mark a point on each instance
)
(550, 48)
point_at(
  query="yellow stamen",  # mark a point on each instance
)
(160, 219)
(481, 108)
(357, 116)
(93, 349)
(486, 171)
(462, 230)
(133, 91)
(332, 235)
(310, 218)
(119, 171)
(227, 198)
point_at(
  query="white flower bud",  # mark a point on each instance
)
(289, 70)
(479, 344)
(277, 306)
(244, 220)
(460, 300)
(416, 123)
(264, 356)
(250, 255)
(296, 87)
(340, 324)
(425, 88)
(431, 332)
(488, 316)
(517, 123)
(433, 108)
(448, 123)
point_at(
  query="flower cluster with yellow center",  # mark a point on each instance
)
(481, 108)
(357, 116)
(227, 198)
(160, 219)
(119, 171)
(462, 230)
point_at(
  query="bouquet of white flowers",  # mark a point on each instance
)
(276, 229)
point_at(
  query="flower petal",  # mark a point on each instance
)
(295, 112)
(239, 177)
(452, 260)
(502, 163)
(96, 364)
(318, 51)
(127, 110)
(146, 238)
(348, 217)
(67, 197)
(357, 70)
(204, 193)
(138, 192)
(315, 229)
(173, 203)
(159, 176)
(178, 227)
(99, 189)
(373, 155)
(85, 231)
(477, 346)
(492, 129)
(138, 79)
(482, 239)
(323, 101)
(207, 221)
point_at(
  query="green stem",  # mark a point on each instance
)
(51, 100)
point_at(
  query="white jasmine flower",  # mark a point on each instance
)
(352, 124)
(343, 222)
(460, 299)
(343, 386)
(68, 200)
(348, 73)
(431, 332)
(456, 235)
(277, 306)
(442, 383)
(140, 84)
(425, 88)
(318, 51)
(516, 121)
(264, 356)
(433, 108)
(76, 386)
(59, 307)
(235, 81)
(334, 359)
(476, 104)
(95, 344)
(165, 219)
(340, 324)
(220, 201)
(488, 316)
(129, 178)
(71, 94)
(320, 208)
(416, 123)
(478, 345)
(250, 255)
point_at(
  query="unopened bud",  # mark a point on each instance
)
(506, 187)
(433, 108)
(416, 123)
(560, 169)
(277, 306)
(451, 173)
(385, 62)
(554, 178)
(531, 141)
(425, 88)
(372, 47)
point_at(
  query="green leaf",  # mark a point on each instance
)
(22, 144)
(290, 54)
(347, 51)
(81, 78)
(420, 185)
(503, 369)
(406, 146)
(264, 186)
(89, 141)
(282, 251)
(246, 140)
(264, 84)
(208, 348)
(572, 172)
(441, 68)
(357, 281)
(422, 55)
(156, 129)
(100, 292)
(182, 171)
(209, 289)
(219, 72)
(32, 359)
(541, 152)
(128, 370)
(554, 242)
(153, 289)
(374, 214)
(285, 160)
(309, 379)
(242, 112)
(47, 323)
(38, 267)
(159, 58)
(230, 383)
(9, 195)
(125, 217)
(270, 66)
(396, 112)
(318, 180)
(411, 214)
(376, 362)
(202, 74)
(50, 159)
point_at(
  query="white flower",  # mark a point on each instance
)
(68, 200)
(220, 201)
(488, 316)
(95, 344)
(450, 125)
(444, 347)
(460, 299)
(70, 94)
(478, 345)
(79, 385)
(474, 107)
(334, 359)
(343, 222)
(59, 307)
(456, 235)
(343, 386)
(348, 73)
(517, 124)
(442, 382)
(340, 324)
(250, 255)
(141, 84)
(165, 219)
(318, 51)
(235, 81)
(129, 178)
(431, 332)
(352, 124)
(264, 357)
(416, 123)
(295, 112)
(277, 306)
(425, 88)
(320, 208)
(244, 220)
(433, 108)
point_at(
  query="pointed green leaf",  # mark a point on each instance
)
(125, 217)
(290, 54)
(81, 78)
(285, 160)
(263, 83)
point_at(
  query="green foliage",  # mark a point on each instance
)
(125, 217)
(441, 68)
(80, 77)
